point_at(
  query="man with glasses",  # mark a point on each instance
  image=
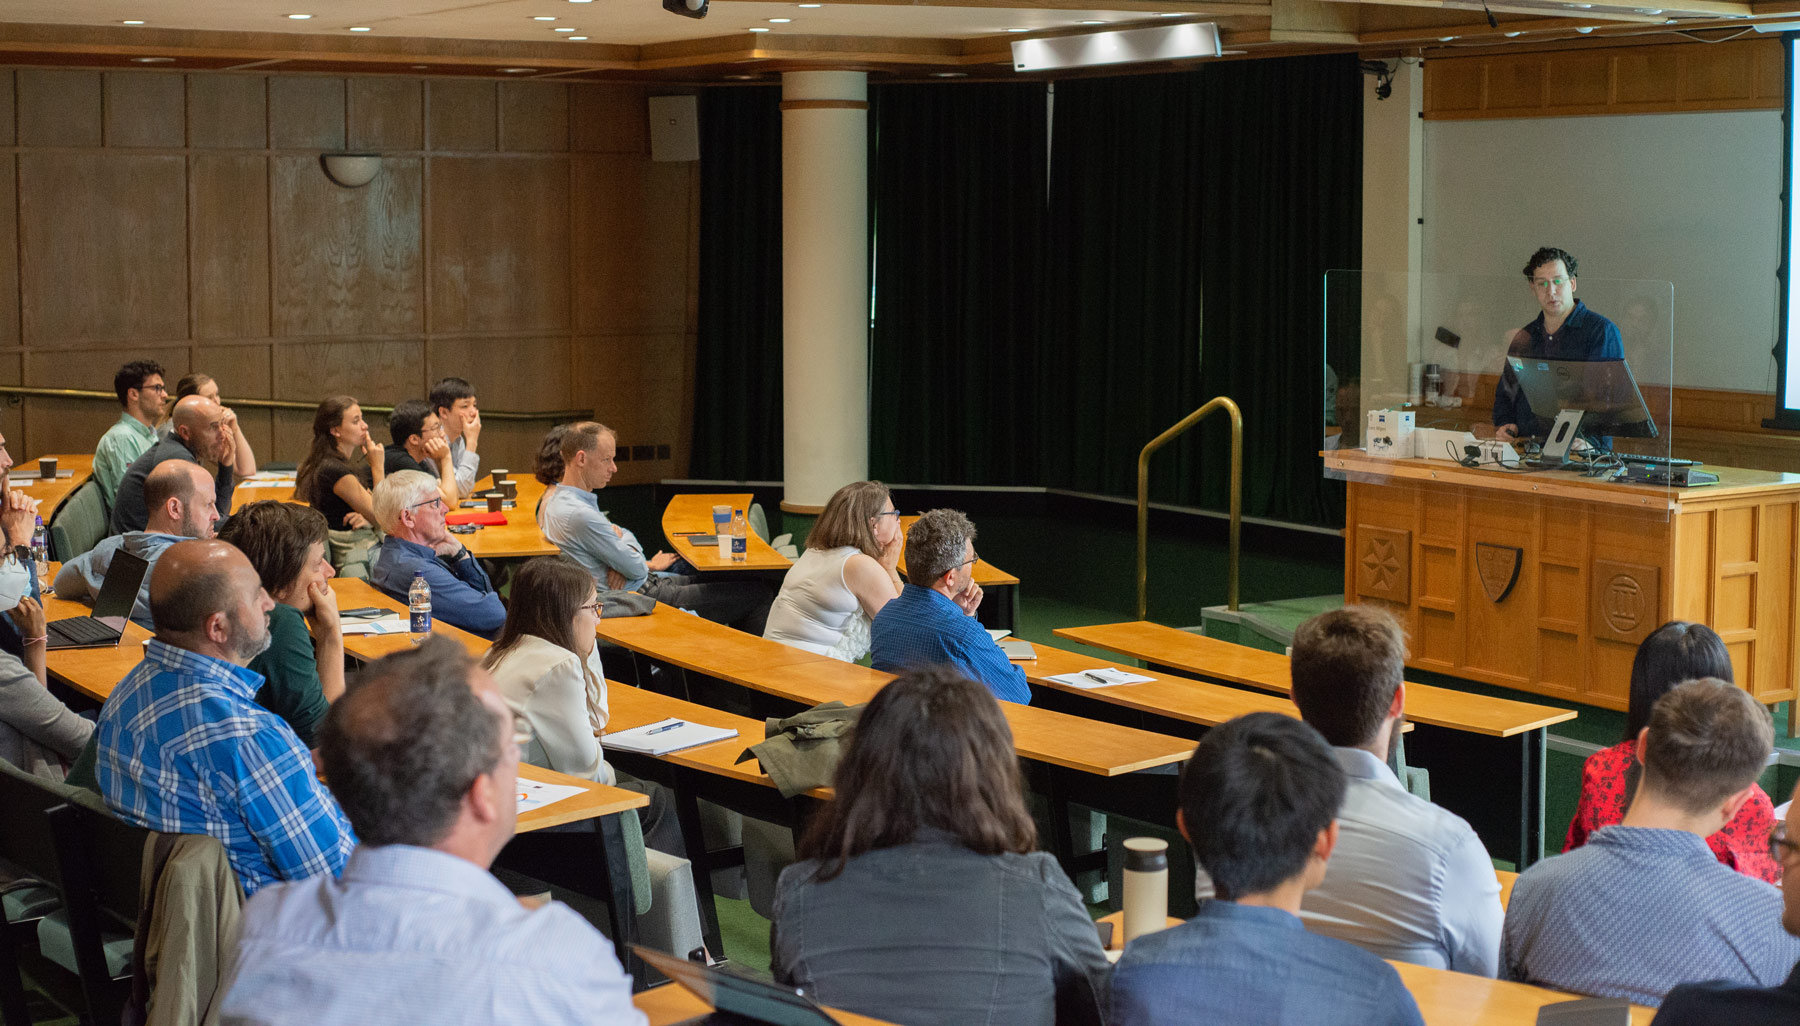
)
(420, 444)
(1645, 906)
(1565, 330)
(411, 513)
(1702, 1004)
(933, 622)
(141, 392)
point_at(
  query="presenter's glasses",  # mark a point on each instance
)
(1550, 283)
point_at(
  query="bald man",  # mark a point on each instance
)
(180, 497)
(184, 748)
(203, 431)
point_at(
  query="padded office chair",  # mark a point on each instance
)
(79, 524)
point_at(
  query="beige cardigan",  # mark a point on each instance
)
(562, 700)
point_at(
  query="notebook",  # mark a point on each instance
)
(665, 736)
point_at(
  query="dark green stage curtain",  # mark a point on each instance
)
(956, 182)
(737, 379)
(1194, 217)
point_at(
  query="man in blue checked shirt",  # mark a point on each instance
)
(183, 746)
(932, 622)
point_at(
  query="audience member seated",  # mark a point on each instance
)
(185, 749)
(1258, 801)
(547, 665)
(932, 622)
(203, 431)
(572, 520)
(921, 897)
(1674, 652)
(547, 467)
(420, 752)
(243, 462)
(844, 577)
(1408, 880)
(19, 573)
(141, 392)
(419, 445)
(334, 481)
(303, 668)
(453, 400)
(181, 501)
(1645, 906)
(1707, 1004)
(411, 511)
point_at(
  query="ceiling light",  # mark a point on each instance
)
(1092, 22)
(759, 28)
(361, 28)
(576, 39)
(1649, 10)
(543, 17)
(151, 60)
(740, 78)
(809, 5)
(1170, 14)
(564, 30)
(1017, 30)
(1117, 46)
(949, 74)
(779, 21)
(298, 17)
(1585, 29)
(1446, 39)
(517, 71)
(1514, 35)
(131, 21)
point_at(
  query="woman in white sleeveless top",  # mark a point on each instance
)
(846, 575)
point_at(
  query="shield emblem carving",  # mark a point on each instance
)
(1498, 568)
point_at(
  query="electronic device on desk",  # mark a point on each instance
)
(738, 999)
(1595, 399)
(1673, 476)
(112, 607)
(1586, 1012)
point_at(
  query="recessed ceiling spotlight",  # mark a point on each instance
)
(1585, 29)
(581, 1)
(1017, 30)
(361, 28)
(298, 17)
(1649, 10)
(131, 21)
(779, 21)
(151, 60)
(760, 28)
(576, 39)
(543, 17)
(1170, 14)
(949, 74)
(1092, 21)
(1446, 39)
(809, 5)
(1514, 35)
(564, 30)
(517, 71)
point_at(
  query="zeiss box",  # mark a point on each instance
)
(1390, 434)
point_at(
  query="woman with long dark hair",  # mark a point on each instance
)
(1676, 652)
(338, 477)
(920, 896)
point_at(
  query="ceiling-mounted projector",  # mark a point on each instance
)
(1118, 46)
(686, 8)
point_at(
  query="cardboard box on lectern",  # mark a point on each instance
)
(1390, 434)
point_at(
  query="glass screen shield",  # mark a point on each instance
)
(1560, 385)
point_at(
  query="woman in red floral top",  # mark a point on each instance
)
(1675, 652)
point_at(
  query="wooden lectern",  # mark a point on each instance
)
(1546, 581)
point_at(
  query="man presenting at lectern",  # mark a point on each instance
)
(1566, 330)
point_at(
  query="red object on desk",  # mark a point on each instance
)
(483, 518)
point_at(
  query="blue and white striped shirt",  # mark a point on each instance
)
(1637, 911)
(184, 748)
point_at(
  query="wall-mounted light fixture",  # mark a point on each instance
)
(351, 170)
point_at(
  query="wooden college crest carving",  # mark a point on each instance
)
(1498, 568)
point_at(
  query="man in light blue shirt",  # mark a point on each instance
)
(141, 391)
(932, 621)
(411, 511)
(1645, 906)
(182, 505)
(571, 518)
(420, 751)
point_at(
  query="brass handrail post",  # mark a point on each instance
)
(1237, 498)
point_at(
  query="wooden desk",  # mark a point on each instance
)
(1000, 603)
(354, 594)
(1479, 749)
(692, 514)
(673, 1005)
(1599, 565)
(51, 493)
(519, 537)
(277, 486)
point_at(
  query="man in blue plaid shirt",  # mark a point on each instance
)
(183, 746)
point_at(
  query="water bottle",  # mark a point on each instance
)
(40, 551)
(740, 537)
(418, 601)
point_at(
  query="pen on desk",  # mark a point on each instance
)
(666, 726)
(1090, 675)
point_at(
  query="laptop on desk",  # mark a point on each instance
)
(112, 608)
(737, 1000)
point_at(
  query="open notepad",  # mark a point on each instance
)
(664, 736)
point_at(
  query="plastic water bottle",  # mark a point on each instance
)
(418, 601)
(40, 551)
(740, 537)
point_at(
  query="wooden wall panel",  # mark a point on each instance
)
(306, 113)
(12, 414)
(72, 425)
(230, 251)
(610, 119)
(1744, 74)
(632, 233)
(345, 261)
(386, 114)
(532, 373)
(7, 115)
(103, 243)
(500, 244)
(462, 115)
(375, 372)
(228, 111)
(59, 108)
(534, 116)
(145, 108)
(9, 251)
(619, 375)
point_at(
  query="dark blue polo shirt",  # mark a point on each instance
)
(1585, 335)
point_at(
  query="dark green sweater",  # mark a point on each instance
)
(291, 674)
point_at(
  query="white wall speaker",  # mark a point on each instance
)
(674, 128)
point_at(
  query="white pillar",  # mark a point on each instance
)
(824, 284)
(1392, 239)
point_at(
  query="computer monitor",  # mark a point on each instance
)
(1604, 390)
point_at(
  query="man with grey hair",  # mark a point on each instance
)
(932, 622)
(182, 505)
(204, 430)
(411, 511)
(420, 753)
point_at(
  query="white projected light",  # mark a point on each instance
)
(1790, 341)
(1121, 46)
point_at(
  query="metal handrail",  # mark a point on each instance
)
(1237, 498)
(287, 404)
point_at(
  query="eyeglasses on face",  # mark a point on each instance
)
(1779, 845)
(1545, 283)
(887, 513)
(593, 606)
(436, 500)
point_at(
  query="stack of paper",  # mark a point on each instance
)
(1104, 677)
(664, 736)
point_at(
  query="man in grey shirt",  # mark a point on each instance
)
(182, 505)
(1409, 881)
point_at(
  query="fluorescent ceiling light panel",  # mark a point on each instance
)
(1120, 46)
